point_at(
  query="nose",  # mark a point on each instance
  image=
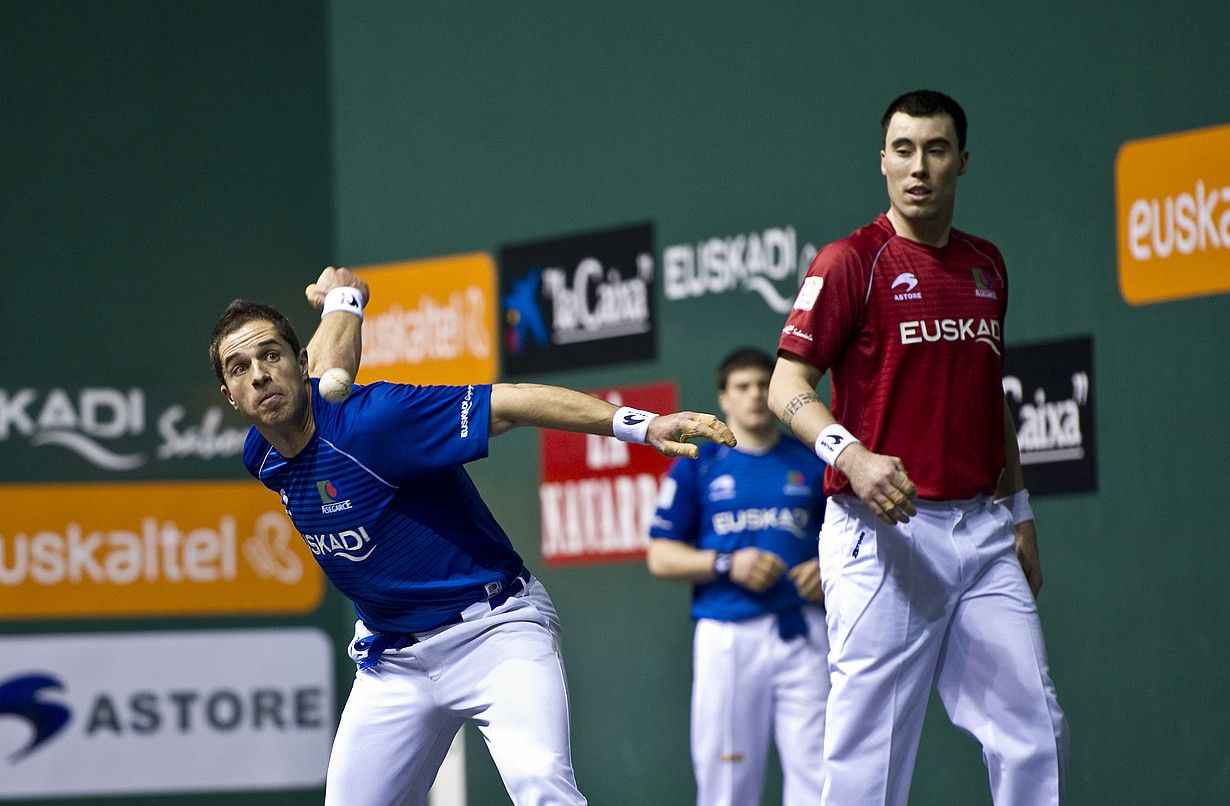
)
(259, 373)
(918, 165)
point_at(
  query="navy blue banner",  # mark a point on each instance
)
(579, 301)
(1049, 388)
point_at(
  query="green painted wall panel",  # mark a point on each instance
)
(463, 128)
(167, 158)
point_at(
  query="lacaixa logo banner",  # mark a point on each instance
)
(151, 549)
(1050, 388)
(1173, 197)
(578, 301)
(597, 494)
(431, 321)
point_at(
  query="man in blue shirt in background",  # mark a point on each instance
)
(741, 525)
(451, 626)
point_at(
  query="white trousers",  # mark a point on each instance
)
(940, 600)
(748, 687)
(501, 668)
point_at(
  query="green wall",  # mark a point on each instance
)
(472, 127)
(160, 159)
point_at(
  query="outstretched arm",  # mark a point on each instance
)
(521, 404)
(338, 340)
(880, 481)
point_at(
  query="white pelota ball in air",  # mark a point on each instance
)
(335, 384)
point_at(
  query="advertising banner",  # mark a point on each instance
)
(431, 321)
(112, 432)
(1173, 199)
(151, 549)
(1049, 388)
(764, 266)
(580, 301)
(597, 494)
(164, 712)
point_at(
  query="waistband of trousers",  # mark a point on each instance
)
(375, 645)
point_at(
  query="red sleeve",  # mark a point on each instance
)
(1003, 273)
(828, 310)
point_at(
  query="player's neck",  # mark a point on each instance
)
(756, 440)
(292, 438)
(929, 231)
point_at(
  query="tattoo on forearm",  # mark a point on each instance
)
(792, 408)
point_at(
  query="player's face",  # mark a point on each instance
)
(262, 377)
(921, 163)
(745, 400)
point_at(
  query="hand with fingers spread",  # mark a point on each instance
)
(880, 482)
(755, 569)
(669, 433)
(330, 279)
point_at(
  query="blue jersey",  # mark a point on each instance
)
(726, 500)
(381, 498)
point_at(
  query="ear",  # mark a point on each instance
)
(964, 163)
(883, 170)
(226, 393)
(303, 363)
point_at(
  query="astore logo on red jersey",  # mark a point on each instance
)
(908, 282)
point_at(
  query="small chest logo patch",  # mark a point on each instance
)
(907, 282)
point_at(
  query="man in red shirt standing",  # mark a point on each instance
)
(928, 551)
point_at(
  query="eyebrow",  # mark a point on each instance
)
(233, 357)
(905, 141)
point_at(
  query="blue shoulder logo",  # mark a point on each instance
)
(20, 697)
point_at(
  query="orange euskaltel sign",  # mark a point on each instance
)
(151, 549)
(1173, 212)
(431, 321)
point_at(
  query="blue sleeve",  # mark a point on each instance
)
(678, 513)
(400, 431)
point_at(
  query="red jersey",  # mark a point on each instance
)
(913, 338)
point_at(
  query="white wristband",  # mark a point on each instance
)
(832, 441)
(343, 298)
(631, 425)
(1018, 503)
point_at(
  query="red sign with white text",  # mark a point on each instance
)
(597, 495)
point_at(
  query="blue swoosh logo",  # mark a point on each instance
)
(20, 697)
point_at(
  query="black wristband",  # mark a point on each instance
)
(722, 563)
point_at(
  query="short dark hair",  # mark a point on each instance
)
(743, 358)
(926, 104)
(238, 314)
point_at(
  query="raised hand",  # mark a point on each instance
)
(330, 279)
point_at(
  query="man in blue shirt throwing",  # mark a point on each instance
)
(741, 525)
(451, 626)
